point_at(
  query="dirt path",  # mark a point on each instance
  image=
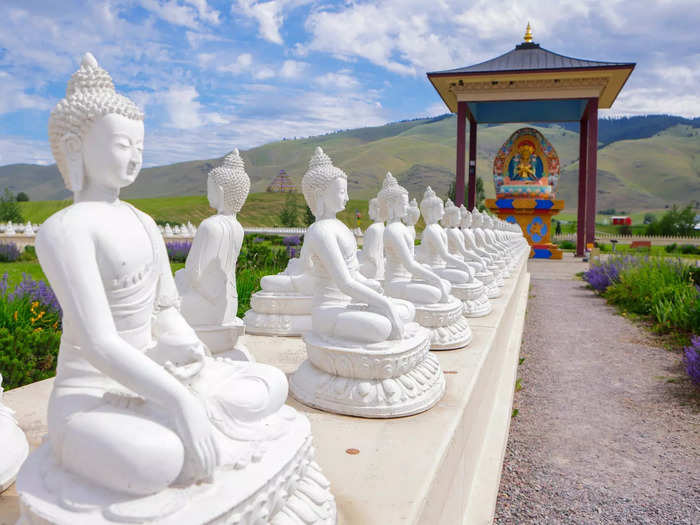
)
(608, 429)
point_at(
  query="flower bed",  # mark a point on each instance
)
(665, 291)
(30, 331)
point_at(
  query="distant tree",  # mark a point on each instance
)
(649, 218)
(22, 197)
(289, 214)
(9, 209)
(480, 193)
(674, 222)
(308, 216)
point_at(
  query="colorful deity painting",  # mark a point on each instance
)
(526, 166)
(526, 173)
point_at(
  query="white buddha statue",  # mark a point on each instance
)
(485, 243)
(365, 355)
(10, 228)
(168, 231)
(471, 245)
(371, 256)
(435, 253)
(28, 228)
(412, 217)
(14, 445)
(283, 304)
(456, 246)
(143, 425)
(207, 283)
(407, 279)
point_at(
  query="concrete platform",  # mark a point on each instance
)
(442, 466)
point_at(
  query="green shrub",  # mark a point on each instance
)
(28, 254)
(567, 245)
(687, 248)
(27, 355)
(664, 290)
(671, 248)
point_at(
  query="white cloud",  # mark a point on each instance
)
(263, 73)
(293, 69)
(268, 16)
(173, 12)
(183, 110)
(17, 150)
(242, 64)
(206, 13)
(13, 96)
(340, 80)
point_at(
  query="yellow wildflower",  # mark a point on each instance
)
(15, 316)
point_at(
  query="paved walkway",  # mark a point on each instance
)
(608, 429)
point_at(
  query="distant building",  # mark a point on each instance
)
(622, 219)
(282, 184)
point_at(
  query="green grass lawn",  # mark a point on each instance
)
(260, 209)
(14, 271)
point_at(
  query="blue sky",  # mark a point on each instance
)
(213, 75)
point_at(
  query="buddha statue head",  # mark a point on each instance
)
(413, 213)
(393, 198)
(228, 185)
(476, 218)
(431, 207)
(373, 210)
(325, 186)
(96, 135)
(465, 217)
(451, 217)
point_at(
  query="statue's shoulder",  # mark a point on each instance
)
(145, 217)
(71, 222)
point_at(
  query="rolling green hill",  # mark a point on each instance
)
(643, 166)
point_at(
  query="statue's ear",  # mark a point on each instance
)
(72, 148)
(219, 195)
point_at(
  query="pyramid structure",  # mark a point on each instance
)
(282, 184)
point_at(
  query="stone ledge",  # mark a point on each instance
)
(442, 466)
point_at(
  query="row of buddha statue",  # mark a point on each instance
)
(10, 228)
(159, 413)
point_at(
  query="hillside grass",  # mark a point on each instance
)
(260, 209)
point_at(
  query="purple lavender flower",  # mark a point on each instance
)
(602, 275)
(9, 252)
(34, 290)
(178, 250)
(293, 240)
(691, 359)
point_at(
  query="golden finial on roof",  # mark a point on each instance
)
(528, 34)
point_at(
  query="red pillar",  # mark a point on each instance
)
(461, 143)
(591, 168)
(582, 161)
(471, 196)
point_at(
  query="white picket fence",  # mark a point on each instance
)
(660, 240)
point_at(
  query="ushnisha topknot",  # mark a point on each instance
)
(233, 179)
(390, 193)
(430, 199)
(317, 178)
(90, 95)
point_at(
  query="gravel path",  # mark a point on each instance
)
(608, 429)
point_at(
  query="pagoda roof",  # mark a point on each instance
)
(530, 73)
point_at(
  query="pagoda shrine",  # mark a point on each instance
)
(282, 184)
(532, 84)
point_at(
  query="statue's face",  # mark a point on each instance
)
(413, 214)
(436, 211)
(335, 197)
(401, 208)
(112, 150)
(373, 210)
(213, 194)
